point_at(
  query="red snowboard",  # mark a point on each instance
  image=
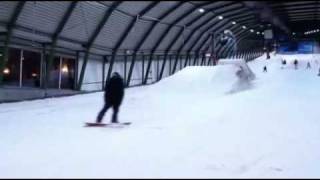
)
(88, 124)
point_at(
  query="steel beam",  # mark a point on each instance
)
(201, 25)
(147, 34)
(93, 38)
(54, 40)
(142, 13)
(10, 27)
(105, 59)
(166, 32)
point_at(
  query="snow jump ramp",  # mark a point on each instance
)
(229, 76)
(244, 71)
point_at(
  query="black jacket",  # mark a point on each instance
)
(114, 90)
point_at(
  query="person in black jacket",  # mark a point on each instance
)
(295, 62)
(264, 68)
(114, 92)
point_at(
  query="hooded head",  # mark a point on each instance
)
(115, 74)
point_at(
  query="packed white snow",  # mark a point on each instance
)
(198, 123)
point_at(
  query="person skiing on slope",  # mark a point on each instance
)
(308, 65)
(284, 62)
(295, 64)
(114, 93)
(265, 69)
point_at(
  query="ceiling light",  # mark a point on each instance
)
(244, 27)
(201, 10)
(258, 32)
(233, 22)
(6, 71)
(220, 17)
(251, 30)
(65, 69)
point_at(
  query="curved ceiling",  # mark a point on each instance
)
(105, 27)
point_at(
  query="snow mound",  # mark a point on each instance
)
(220, 79)
(245, 73)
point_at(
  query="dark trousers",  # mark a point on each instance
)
(105, 109)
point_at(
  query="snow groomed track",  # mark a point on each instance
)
(201, 122)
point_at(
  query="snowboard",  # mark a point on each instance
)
(120, 124)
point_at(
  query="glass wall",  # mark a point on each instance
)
(62, 74)
(23, 69)
(54, 73)
(31, 63)
(67, 73)
(11, 72)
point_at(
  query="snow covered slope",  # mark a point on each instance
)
(216, 80)
(186, 126)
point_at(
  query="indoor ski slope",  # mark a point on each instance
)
(200, 123)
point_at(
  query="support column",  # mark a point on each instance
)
(125, 67)
(76, 72)
(105, 59)
(55, 39)
(21, 68)
(134, 56)
(163, 66)
(142, 80)
(5, 50)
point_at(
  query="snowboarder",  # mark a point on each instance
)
(114, 93)
(295, 64)
(308, 65)
(265, 69)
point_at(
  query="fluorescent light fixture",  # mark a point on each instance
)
(233, 22)
(244, 27)
(251, 30)
(220, 17)
(6, 71)
(293, 33)
(65, 69)
(208, 54)
(201, 10)
(258, 32)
